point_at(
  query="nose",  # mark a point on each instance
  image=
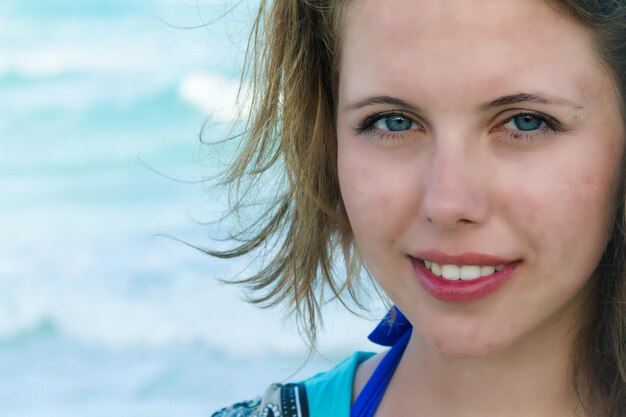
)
(456, 189)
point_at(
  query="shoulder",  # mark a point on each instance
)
(364, 371)
(330, 392)
(279, 400)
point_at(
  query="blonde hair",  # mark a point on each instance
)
(292, 62)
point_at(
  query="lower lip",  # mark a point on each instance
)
(462, 291)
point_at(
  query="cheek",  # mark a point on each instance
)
(364, 197)
(566, 209)
(373, 193)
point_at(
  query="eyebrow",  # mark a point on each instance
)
(380, 100)
(499, 102)
(528, 98)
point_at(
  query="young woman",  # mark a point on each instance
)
(470, 155)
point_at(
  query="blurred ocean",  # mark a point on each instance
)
(101, 104)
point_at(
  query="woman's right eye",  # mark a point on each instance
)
(395, 123)
(387, 126)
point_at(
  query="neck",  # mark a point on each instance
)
(533, 378)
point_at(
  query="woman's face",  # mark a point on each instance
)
(485, 137)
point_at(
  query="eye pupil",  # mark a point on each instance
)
(527, 122)
(397, 123)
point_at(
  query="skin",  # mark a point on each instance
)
(464, 178)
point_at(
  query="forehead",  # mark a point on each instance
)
(444, 47)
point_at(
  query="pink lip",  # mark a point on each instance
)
(468, 258)
(461, 291)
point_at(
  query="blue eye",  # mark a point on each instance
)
(395, 123)
(525, 122)
(529, 126)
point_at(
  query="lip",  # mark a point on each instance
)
(462, 291)
(468, 258)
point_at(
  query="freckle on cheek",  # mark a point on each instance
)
(594, 180)
(383, 202)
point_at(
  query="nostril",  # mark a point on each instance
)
(452, 224)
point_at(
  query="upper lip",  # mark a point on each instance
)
(467, 258)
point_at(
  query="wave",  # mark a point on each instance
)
(121, 292)
(42, 330)
(51, 374)
(102, 9)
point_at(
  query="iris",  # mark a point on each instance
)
(527, 122)
(396, 123)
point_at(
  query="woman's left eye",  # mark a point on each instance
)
(529, 126)
(525, 122)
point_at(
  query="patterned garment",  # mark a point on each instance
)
(279, 400)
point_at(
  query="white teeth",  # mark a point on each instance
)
(466, 272)
(450, 272)
(487, 270)
(436, 269)
(470, 272)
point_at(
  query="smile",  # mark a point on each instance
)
(460, 279)
(461, 272)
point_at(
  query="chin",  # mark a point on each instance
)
(464, 346)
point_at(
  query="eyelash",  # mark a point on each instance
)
(549, 126)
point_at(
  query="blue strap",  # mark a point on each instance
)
(394, 330)
(391, 328)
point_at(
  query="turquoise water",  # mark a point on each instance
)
(101, 103)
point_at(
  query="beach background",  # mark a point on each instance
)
(101, 314)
